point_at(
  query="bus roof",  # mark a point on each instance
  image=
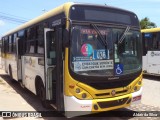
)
(150, 30)
(63, 8)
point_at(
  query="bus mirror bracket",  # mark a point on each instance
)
(65, 38)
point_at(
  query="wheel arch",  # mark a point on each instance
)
(38, 80)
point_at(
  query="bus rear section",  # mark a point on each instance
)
(151, 51)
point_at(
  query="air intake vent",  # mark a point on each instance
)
(113, 103)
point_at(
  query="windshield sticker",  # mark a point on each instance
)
(83, 58)
(100, 54)
(118, 69)
(93, 32)
(116, 60)
(93, 65)
(86, 49)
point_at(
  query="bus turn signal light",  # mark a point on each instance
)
(78, 90)
(71, 86)
(135, 88)
(139, 83)
(84, 95)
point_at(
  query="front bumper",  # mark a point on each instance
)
(76, 107)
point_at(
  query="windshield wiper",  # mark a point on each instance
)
(124, 34)
(102, 39)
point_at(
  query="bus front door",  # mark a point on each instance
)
(53, 66)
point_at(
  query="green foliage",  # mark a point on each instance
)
(145, 23)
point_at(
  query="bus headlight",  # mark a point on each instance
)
(84, 95)
(135, 88)
(80, 93)
(139, 83)
(78, 90)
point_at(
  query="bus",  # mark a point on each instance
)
(78, 57)
(151, 51)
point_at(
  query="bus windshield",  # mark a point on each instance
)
(90, 56)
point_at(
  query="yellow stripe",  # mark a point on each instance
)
(150, 30)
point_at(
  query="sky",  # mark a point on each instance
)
(25, 10)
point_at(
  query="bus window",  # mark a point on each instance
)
(155, 41)
(31, 47)
(14, 42)
(51, 48)
(40, 41)
(40, 48)
(151, 41)
(148, 41)
(6, 44)
(158, 40)
(31, 40)
(10, 43)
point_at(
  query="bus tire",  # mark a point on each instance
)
(42, 95)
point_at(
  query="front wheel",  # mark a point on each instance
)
(42, 95)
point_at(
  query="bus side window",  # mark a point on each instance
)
(14, 42)
(10, 44)
(144, 44)
(155, 41)
(148, 42)
(31, 40)
(6, 44)
(158, 40)
(40, 44)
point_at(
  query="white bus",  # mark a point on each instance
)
(151, 51)
(78, 57)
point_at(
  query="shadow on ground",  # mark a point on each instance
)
(151, 77)
(30, 98)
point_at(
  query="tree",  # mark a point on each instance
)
(145, 23)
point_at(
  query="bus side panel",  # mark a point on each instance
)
(153, 60)
(11, 60)
(30, 70)
(2, 62)
(145, 63)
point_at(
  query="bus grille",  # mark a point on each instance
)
(108, 94)
(110, 84)
(113, 103)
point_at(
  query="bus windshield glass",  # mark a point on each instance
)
(90, 56)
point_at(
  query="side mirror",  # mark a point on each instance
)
(65, 38)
